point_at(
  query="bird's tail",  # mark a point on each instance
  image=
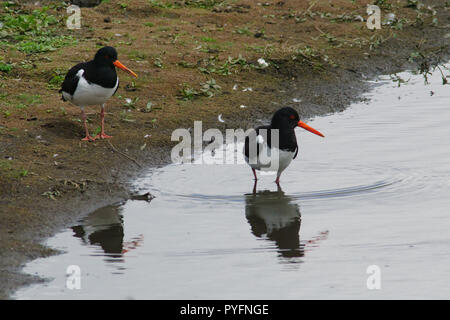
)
(62, 96)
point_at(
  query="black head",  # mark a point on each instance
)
(285, 118)
(106, 55)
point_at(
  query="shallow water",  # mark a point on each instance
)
(375, 191)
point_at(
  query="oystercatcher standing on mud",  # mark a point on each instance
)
(93, 83)
(261, 153)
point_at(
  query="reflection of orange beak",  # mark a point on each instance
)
(121, 66)
(310, 129)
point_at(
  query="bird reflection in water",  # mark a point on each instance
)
(276, 217)
(104, 228)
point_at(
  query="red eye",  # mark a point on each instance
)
(292, 116)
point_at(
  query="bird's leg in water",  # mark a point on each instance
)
(102, 134)
(279, 190)
(254, 187)
(88, 137)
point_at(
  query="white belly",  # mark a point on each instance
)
(276, 160)
(276, 210)
(89, 94)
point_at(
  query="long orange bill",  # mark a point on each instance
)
(119, 65)
(310, 129)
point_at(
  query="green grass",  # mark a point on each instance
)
(137, 55)
(384, 4)
(208, 39)
(5, 67)
(33, 32)
(228, 67)
(187, 93)
(5, 164)
(29, 99)
(6, 113)
(56, 79)
(34, 23)
(22, 101)
(8, 171)
(164, 29)
(243, 31)
(158, 63)
(185, 64)
(202, 4)
(44, 44)
(162, 4)
(208, 89)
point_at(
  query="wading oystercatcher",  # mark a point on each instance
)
(93, 83)
(277, 155)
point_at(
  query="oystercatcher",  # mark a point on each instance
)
(261, 153)
(274, 216)
(93, 83)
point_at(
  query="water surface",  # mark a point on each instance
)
(375, 191)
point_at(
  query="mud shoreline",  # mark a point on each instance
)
(28, 218)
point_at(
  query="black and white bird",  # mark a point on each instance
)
(93, 83)
(263, 153)
(274, 216)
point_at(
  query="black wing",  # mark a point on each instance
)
(258, 149)
(71, 80)
(117, 86)
(296, 152)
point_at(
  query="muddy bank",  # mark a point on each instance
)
(54, 179)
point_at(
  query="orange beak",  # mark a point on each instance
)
(310, 129)
(119, 65)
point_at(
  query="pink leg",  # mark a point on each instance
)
(88, 137)
(102, 134)
(277, 181)
(254, 174)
